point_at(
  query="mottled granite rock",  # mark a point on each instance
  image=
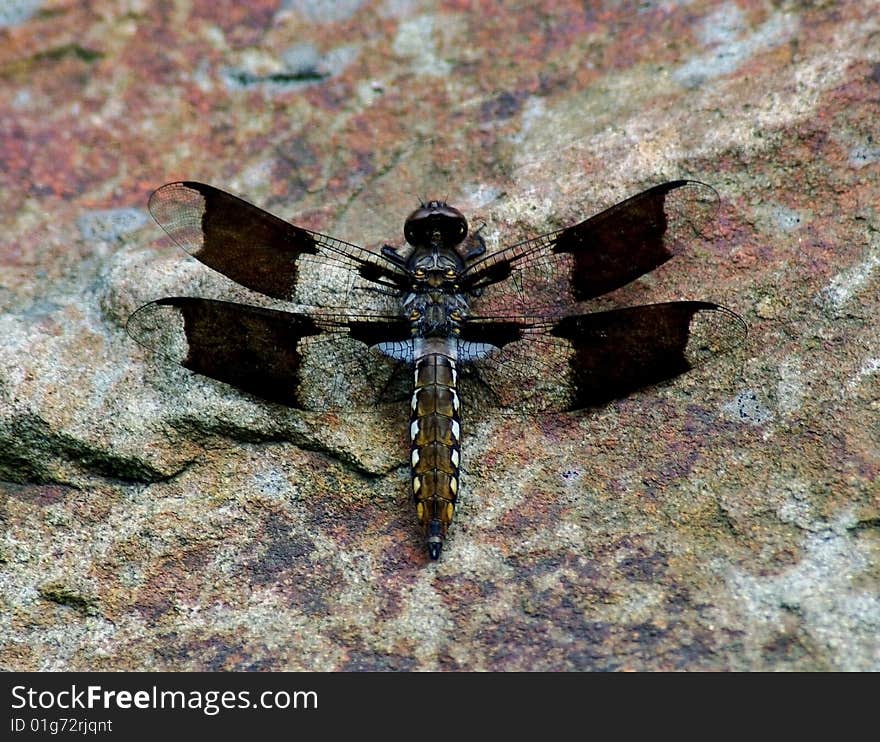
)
(158, 520)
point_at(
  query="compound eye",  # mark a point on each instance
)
(450, 273)
(419, 273)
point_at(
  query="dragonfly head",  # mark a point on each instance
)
(435, 221)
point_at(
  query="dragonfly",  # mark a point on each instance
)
(440, 321)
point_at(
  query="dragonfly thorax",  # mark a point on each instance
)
(434, 313)
(435, 268)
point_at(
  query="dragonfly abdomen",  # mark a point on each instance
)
(435, 453)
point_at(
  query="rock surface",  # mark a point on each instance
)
(156, 520)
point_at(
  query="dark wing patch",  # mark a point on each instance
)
(615, 353)
(635, 236)
(251, 246)
(302, 361)
(560, 269)
(587, 360)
